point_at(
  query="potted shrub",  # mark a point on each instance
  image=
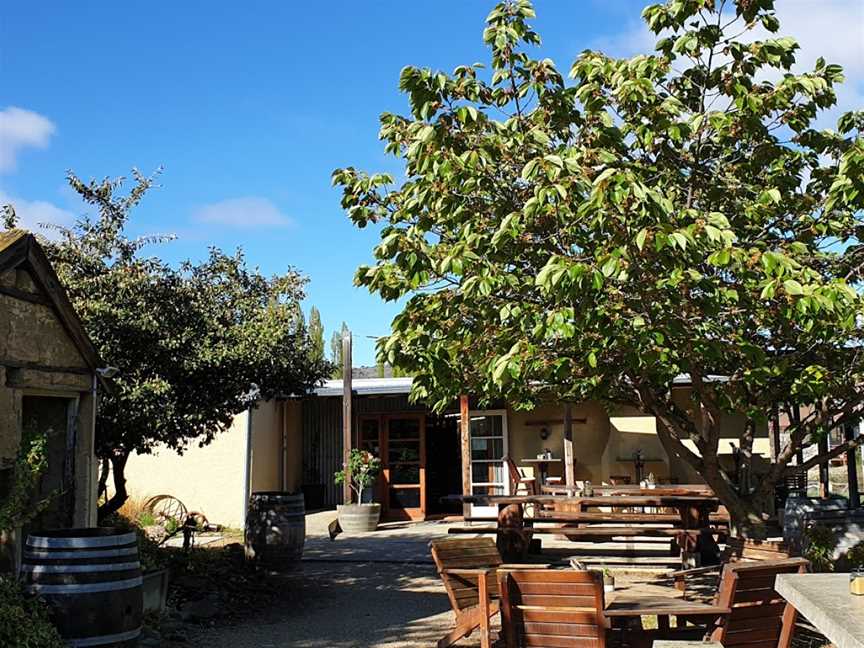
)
(361, 472)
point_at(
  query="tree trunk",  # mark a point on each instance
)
(118, 470)
(748, 512)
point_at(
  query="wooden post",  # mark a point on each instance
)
(852, 468)
(465, 437)
(824, 481)
(569, 479)
(347, 438)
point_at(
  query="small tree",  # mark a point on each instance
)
(336, 351)
(675, 213)
(195, 345)
(361, 472)
(316, 335)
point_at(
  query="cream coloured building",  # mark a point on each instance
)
(296, 444)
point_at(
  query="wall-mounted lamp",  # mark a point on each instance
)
(544, 433)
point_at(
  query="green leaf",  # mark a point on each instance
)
(792, 287)
(640, 238)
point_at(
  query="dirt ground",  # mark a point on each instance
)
(376, 590)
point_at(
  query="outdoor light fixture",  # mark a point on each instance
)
(107, 372)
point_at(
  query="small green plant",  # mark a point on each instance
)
(150, 554)
(361, 472)
(24, 620)
(171, 526)
(855, 556)
(820, 546)
(17, 507)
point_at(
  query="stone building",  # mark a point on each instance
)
(48, 382)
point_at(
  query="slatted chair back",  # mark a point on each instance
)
(462, 554)
(553, 608)
(741, 550)
(516, 479)
(760, 617)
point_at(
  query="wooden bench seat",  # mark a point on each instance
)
(597, 532)
(561, 517)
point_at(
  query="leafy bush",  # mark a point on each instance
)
(820, 544)
(151, 555)
(855, 556)
(24, 621)
(362, 471)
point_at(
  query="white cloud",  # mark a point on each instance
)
(19, 129)
(246, 212)
(33, 214)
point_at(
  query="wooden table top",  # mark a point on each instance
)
(659, 606)
(826, 602)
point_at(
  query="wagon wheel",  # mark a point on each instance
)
(165, 508)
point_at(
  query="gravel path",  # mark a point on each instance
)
(368, 590)
(365, 590)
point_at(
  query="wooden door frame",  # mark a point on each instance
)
(417, 513)
(505, 434)
(383, 486)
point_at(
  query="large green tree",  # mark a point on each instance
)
(195, 344)
(672, 213)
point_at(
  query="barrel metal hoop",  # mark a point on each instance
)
(79, 569)
(101, 640)
(86, 588)
(80, 555)
(43, 542)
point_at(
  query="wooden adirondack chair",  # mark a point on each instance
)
(544, 607)
(737, 550)
(759, 617)
(468, 567)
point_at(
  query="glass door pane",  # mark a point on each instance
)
(405, 467)
(488, 447)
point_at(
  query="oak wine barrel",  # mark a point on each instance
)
(275, 529)
(91, 579)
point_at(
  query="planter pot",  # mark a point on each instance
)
(358, 518)
(155, 590)
(608, 584)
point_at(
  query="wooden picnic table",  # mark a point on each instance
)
(627, 489)
(514, 529)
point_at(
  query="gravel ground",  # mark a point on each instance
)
(347, 604)
(371, 590)
(365, 590)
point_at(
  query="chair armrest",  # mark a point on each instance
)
(683, 573)
(525, 566)
(469, 572)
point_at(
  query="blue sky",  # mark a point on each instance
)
(249, 107)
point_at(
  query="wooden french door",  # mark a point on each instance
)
(400, 441)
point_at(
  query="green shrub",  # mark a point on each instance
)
(820, 545)
(855, 556)
(24, 621)
(151, 555)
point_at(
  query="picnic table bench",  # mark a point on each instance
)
(692, 532)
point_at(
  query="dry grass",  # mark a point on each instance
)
(133, 508)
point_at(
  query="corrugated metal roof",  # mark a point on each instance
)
(385, 386)
(366, 386)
